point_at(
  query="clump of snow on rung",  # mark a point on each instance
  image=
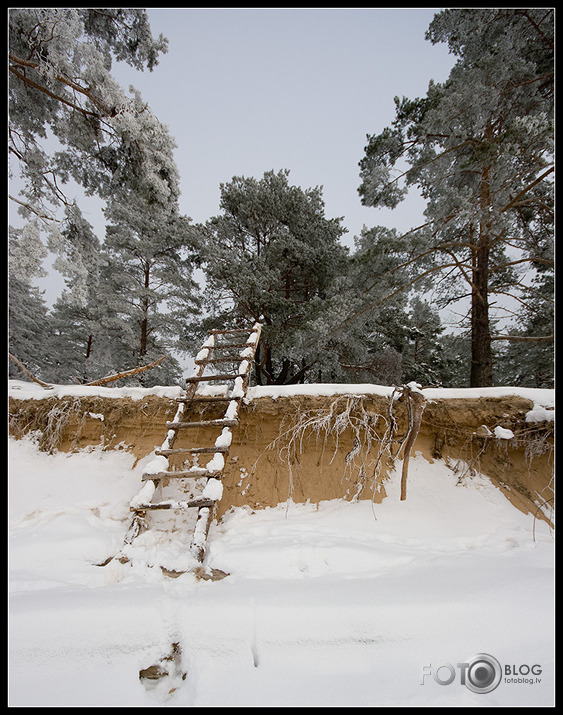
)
(169, 439)
(156, 465)
(232, 411)
(213, 489)
(246, 353)
(216, 464)
(144, 495)
(243, 367)
(210, 342)
(224, 439)
(503, 433)
(238, 390)
(203, 354)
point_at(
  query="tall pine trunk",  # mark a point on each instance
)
(144, 324)
(481, 355)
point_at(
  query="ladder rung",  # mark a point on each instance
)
(171, 504)
(217, 360)
(206, 423)
(231, 331)
(226, 346)
(190, 450)
(180, 474)
(209, 378)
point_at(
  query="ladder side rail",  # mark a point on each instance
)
(205, 514)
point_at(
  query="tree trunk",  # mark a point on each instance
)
(481, 355)
(143, 347)
(89, 346)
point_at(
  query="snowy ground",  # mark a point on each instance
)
(344, 604)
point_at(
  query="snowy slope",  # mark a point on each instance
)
(340, 604)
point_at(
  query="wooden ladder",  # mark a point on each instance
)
(212, 353)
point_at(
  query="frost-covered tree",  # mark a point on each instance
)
(150, 247)
(480, 149)
(68, 117)
(272, 256)
(27, 315)
(88, 336)
(388, 336)
(526, 358)
(71, 122)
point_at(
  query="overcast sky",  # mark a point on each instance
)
(244, 91)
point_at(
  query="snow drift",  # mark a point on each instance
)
(337, 596)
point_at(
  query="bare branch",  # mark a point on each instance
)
(524, 338)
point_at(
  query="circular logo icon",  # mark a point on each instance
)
(483, 674)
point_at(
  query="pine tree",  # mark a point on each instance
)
(273, 256)
(71, 122)
(150, 248)
(480, 148)
(27, 315)
(61, 91)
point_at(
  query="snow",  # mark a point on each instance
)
(503, 433)
(540, 397)
(238, 389)
(243, 367)
(543, 399)
(216, 464)
(540, 413)
(144, 495)
(22, 390)
(157, 464)
(213, 489)
(232, 410)
(224, 439)
(337, 604)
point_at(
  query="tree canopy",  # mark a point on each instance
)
(68, 117)
(70, 121)
(272, 255)
(478, 147)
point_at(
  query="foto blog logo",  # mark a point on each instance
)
(481, 673)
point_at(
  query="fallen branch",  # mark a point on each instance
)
(23, 368)
(126, 373)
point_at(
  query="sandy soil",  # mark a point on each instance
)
(313, 448)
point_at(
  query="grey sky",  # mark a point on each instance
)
(244, 91)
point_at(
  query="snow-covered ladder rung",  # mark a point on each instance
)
(198, 502)
(214, 378)
(189, 450)
(205, 423)
(193, 473)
